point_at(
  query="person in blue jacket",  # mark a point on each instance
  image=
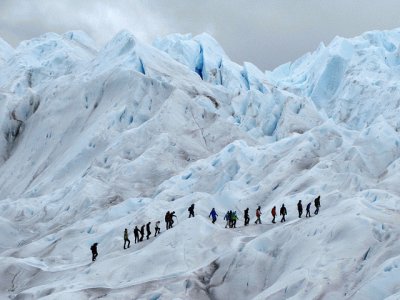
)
(214, 215)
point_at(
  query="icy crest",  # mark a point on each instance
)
(6, 51)
(205, 56)
(350, 78)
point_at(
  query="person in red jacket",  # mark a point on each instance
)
(273, 213)
(258, 215)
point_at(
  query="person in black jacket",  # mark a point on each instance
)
(148, 230)
(136, 232)
(317, 205)
(300, 208)
(246, 217)
(191, 211)
(93, 248)
(171, 220)
(167, 220)
(157, 228)
(283, 213)
(308, 207)
(142, 233)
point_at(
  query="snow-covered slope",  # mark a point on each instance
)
(97, 140)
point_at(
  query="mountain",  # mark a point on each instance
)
(97, 140)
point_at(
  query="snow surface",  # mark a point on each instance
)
(97, 140)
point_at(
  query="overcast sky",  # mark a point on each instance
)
(264, 32)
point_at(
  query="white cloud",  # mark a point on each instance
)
(265, 32)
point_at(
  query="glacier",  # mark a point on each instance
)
(95, 140)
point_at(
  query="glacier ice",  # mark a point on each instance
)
(95, 140)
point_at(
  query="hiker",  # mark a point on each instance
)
(230, 219)
(258, 215)
(167, 218)
(214, 215)
(234, 219)
(148, 230)
(141, 233)
(227, 218)
(93, 248)
(283, 213)
(300, 208)
(273, 213)
(191, 211)
(171, 220)
(157, 228)
(136, 232)
(246, 217)
(308, 207)
(317, 205)
(126, 239)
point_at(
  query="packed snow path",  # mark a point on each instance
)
(97, 140)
